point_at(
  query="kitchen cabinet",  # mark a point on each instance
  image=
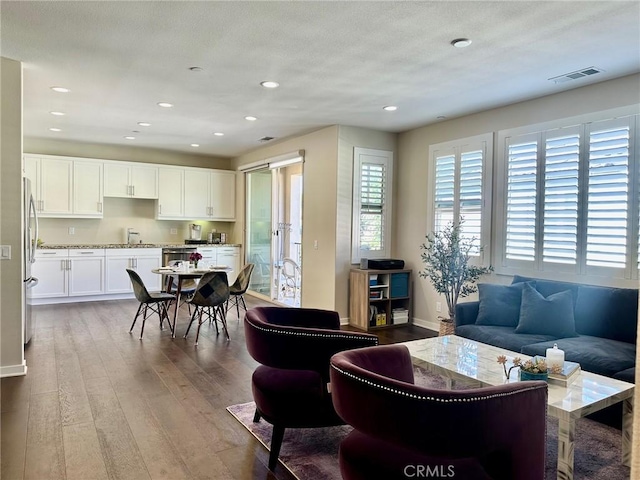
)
(68, 273)
(209, 194)
(229, 256)
(379, 298)
(170, 193)
(130, 180)
(64, 187)
(142, 260)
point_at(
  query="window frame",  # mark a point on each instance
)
(538, 268)
(485, 143)
(384, 157)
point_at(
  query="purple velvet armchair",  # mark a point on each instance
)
(294, 346)
(402, 430)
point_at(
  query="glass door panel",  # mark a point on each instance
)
(259, 230)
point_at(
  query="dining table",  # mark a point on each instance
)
(180, 274)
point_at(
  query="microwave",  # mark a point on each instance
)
(217, 237)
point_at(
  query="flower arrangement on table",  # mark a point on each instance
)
(531, 368)
(195, 257)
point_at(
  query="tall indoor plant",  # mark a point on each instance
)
(446, 259)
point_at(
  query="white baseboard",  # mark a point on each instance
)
(344, 321)
(13, 370)
(429, 324)
(83, 298)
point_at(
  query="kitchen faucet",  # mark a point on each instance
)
(130, 233)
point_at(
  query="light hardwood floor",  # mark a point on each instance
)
(99, 403)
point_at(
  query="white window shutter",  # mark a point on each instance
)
(471, 163)
(521, 197)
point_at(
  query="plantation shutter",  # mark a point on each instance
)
(444, 191)
(608, 195)
(372, 204)
(521, 200)
(471, 197)
(561, 177)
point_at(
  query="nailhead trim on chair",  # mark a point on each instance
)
(308, 334)
(432, 399)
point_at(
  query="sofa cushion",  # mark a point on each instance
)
(598, 355)
(552, 315)
(628, 375)
(607, 312)
(549, 287)
(503, 337)
(499, 304)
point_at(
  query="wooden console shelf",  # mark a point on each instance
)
(379, 298)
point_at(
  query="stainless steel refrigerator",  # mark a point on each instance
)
(30, 238)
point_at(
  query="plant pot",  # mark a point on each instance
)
(533, 376)
(447, 327)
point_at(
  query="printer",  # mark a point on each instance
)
(386, 264)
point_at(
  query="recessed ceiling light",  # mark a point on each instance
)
(441, 117)
(135, 131)
(165, 104)
(57, 114)
(55, 129)
(218, 134)
(195, 69)
(390, 108)
(250, 118)
(130, 138)
(270, 84)
(144, 124)
(461, 42)
(60, 89)
(195, 145)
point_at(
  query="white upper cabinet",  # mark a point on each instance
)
(87, 188)
(170, 193)
(65, 187)
(130, 180)
(209, 194)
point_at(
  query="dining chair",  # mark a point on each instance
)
(210, 297)
(157, 302)
(239, 288)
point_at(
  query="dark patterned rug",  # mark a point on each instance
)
(312, 453)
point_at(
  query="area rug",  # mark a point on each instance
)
(312, 453)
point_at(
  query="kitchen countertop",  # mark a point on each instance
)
(133, 245)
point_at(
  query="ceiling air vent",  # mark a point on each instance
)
(266, 139)
(585, 72)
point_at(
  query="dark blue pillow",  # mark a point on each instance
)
(546, 316)
(499, 304)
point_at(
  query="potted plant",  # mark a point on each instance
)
(446, 259)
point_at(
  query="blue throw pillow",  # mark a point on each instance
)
(499, 304)
(547, 316)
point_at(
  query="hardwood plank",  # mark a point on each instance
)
(82, 454)
(13, 441)
(43, 363)
(45, 454)
(119, 449)
(155, 446)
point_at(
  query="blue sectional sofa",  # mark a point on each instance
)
(595, 326)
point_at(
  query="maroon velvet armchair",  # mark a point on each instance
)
(294, 346)
(402, 430)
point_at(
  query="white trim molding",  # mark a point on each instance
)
(14, 370)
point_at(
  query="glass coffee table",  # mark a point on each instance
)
(475, 364)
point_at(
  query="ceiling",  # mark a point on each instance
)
(336, 62)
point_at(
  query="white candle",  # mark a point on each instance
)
(555, 356)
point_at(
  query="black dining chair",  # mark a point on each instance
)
(239, 288)
(210, 298)
(156, 302)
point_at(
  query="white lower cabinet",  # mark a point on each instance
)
(138, 259)
(228, 256)
(50, 269)
(68, 273)
(76, 273)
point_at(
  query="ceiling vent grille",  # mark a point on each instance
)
(585, 72)
(266, 139)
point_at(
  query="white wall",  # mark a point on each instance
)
(11, 347)
(412, 172)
